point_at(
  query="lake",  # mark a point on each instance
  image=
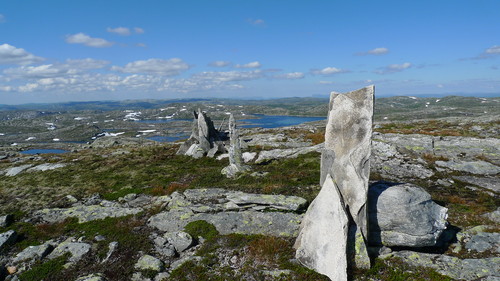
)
(43, 151)
(275, 121)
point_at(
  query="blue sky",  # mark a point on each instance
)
(76, 50)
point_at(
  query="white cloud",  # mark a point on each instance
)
(327, 71)
(154, 66)
(219, 63)
(82, 38)
(71, 67)
(290, 76)
(495, 50)
(257, 22)
(254, 64)
(138, 30)
(376, 51)
(392, 68)
(124, 31)
(12, 55)
(2, 18)
(228, 76)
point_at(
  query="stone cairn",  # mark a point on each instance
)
(205, 140)
(334, 230)
(236, 163)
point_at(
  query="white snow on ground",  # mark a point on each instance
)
(2, 134)
(30, 138)
(56, 139)
(438, 100)
(131, 115)
(146, 131)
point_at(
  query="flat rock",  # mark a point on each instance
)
(494, 216)
(463, 269)
(267, 155)
(492, 184)
(83, 213)
(13, 171)
(47, 167)
(484, 241)
(290, 203)
(322, 241)
(92, 277)
(404, 215)
(76, 249)
(32, 253)
(473, 167)
(7, 238)
(244, 222)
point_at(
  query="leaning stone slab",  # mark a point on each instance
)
(7, 238)
(404, 215)
(322, 241)
(462, 269)
(83, 213)
(290, 203)
(243, 222)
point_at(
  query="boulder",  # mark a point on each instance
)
(493, 216)
(6, 220)
(321, 244)
(32, 253)
(7, 238)
(404, 215)
(148, 262)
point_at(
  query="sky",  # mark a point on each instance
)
(60, 50)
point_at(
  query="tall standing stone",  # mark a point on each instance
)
(345, 167)
(236, 163)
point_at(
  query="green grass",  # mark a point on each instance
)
(45, 271)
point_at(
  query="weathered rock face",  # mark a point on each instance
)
(324, 240)
(7, 238)
(321, 244)
(204, 139)
(404, 215)
(236, 163)
(348, 147)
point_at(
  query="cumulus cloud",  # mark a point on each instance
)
(254, 64)
(392, 68)
(376, 52)
(138, 30)
(290, 75)
(12, 55)
(169, 67)
(327, 71)
(123, 31)
(495, 50)
(219, 63)
(70, 67)
(82, 38)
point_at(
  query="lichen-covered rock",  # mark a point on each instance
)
(279, 153)
(244, 222)
(473, 167)
(462, 269)
(404, 215)
(76, 249)
(290, 203)
(32, 253)
(148, 262)
(83, 213)
(46, 167)
(493, 216)
(7, 238)
(92, 277)
(484, 241)
(236, 164)
(13, 171)
(492, 184)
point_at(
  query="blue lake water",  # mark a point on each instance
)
(43, 151)
(276, 121)
(168, 138)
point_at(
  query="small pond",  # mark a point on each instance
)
(276, 121)
(43, 151)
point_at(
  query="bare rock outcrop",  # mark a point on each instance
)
(205, 140)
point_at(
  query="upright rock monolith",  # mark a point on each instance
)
(236, 163)
(346, 160)
(204, 140)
